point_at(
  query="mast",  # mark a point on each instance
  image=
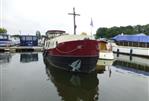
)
(74, 19)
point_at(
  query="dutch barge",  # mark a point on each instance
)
(75, 53)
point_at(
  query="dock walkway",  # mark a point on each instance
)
(21, 49)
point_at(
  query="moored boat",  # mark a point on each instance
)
(28, 40)
(105, 48)
(76, 53)
(5, 40)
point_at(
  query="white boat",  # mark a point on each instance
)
(105, 48)
(5, 40)
(137, 45)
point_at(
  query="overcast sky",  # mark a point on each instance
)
(28, 16)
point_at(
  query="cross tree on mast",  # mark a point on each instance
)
(74, 19)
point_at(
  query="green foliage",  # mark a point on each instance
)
(113, 31)
(38, 34)
(16, 35)
(3, 30)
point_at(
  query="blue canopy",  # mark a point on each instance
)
(133, 38)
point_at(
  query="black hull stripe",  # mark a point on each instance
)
(83, 64)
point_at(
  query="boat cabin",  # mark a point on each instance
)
(53, 33)
(4, 37)
(4, 40)
(28, 40)
(104, 45)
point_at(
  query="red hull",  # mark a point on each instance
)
(75, 56)
(80, 48)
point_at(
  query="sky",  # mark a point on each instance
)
(28, 16)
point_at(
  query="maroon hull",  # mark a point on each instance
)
(76, 56)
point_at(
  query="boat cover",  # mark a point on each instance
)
(132, 38)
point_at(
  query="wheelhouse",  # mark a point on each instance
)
(28, 40)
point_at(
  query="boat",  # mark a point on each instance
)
(5, 40)
(15, 40)
(28, 40)
(75, 53)
(133, 45)
(105, 48)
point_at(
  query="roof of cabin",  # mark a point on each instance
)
(55, 32)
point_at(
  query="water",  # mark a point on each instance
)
(25, 77)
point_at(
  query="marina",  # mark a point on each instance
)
(73, 68)
(103, 55)
(27, 77)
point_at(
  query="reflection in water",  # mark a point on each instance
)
(133, 67)
(103, 65)
(134, 59)
(136, 64)
(28, 57)
(5, 57)
(73, 86)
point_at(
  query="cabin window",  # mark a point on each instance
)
(23, 38)
(34, 38)
(28, 38)
(3, 37)
(102, 46)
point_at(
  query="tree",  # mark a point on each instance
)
(146, 29)
(3, 30)
(101, 32)
(38, 34)
(113, 31)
